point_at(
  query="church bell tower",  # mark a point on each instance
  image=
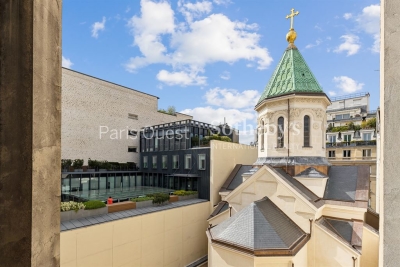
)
(292, 114)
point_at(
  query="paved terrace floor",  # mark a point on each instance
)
(118, 193)
(84, 222)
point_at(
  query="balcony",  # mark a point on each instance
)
(352, 143)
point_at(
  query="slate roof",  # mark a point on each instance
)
(259, 226)
(343, 228)
(342, 183)
(235, 177)
(221, 207)
(311, 173)
(292, 75)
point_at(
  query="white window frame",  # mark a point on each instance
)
(175, 158)
(188, 161)
(154, 162)
(200, 158)
(346, 153)
(145, 162)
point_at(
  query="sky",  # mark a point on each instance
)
(213, 58)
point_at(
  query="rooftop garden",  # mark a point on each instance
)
(367, 124)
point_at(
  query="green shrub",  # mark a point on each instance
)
(140, 199)
(371, 123)
(66, 163)
(78, 163)
(71, 205)
(93, 163)
(94, 204)
(184, 193)
(160, 198)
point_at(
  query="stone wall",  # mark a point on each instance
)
(95, 118)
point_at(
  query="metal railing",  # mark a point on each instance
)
(353, 143)
(343, 97)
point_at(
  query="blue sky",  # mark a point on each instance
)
(213, 58)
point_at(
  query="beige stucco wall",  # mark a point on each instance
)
(89, 103)
(315, 107)
(224, 257)
(317, 186)
(174, 237)
(330, 252)
(370, 248)
(224, 157)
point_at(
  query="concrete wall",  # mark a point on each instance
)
(390, 114)
(370, 248)
(315, 107)
(348, 103)
(174, 237)
(224, 157)
(89, 103)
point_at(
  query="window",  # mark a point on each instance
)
(366, 152)
(188, 161)
(347, 137)
(306, 131)
(281, 132)
(346, 153)
(262, 135)
(342, 117)
(145, 166)
(132, 149)
(154, 161)
(132, 132)
(132, 116)
(165, 162)
(175, 161)
(367, 136)
(332, 153)
(332, 138)
(202, 162)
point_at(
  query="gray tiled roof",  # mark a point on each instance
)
(338, 227)
(311, 173)
(342, 183)
(235, 177)
(84, 222)
(260, 225)
(221, 207)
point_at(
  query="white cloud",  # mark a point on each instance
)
(347, 84)
(243, 121)
(66, 62)
(98, 26)
(127, 9)
(318, 27)
(181, 78)
(222, 2)
(225, 75)
(369, 22)
(332, 93)
(194, 10)
(231, 98)
(195, 43)
(317, 43)
(347, 16)
(351, 45)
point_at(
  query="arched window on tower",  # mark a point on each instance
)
(262, 134)
(281, 132)
(306, 131)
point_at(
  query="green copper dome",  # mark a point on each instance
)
(292, 75)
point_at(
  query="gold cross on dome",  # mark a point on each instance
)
(291, 16)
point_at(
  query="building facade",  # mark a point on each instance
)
(177, 155)
(351, 135)
(101, 120)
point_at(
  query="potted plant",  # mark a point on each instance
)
(77, 164)
(160, 198)
(66, 164)
(93, 165)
